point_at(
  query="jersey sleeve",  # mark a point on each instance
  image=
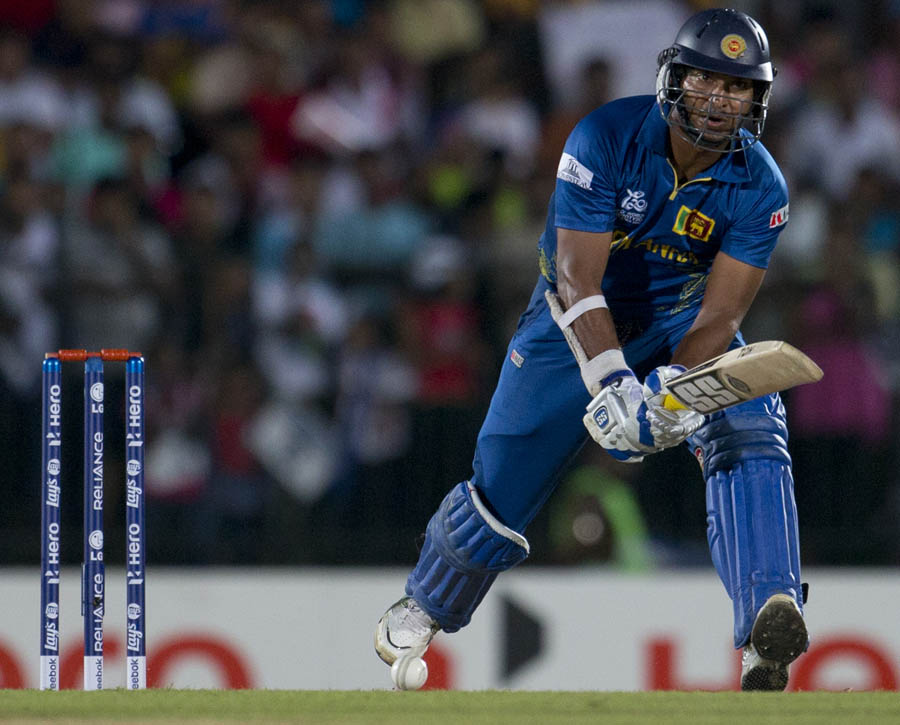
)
(585, 180)
(762, 215)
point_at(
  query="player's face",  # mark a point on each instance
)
(716, 103)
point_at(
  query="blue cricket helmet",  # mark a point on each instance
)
(719, 40)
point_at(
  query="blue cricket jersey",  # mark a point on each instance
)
(615, 175)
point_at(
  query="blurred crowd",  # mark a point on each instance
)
(318, 222)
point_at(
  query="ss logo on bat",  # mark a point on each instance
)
(704, 394)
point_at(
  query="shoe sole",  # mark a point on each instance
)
(779, 633)
(766, 679)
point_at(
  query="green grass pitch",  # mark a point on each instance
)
(335, 707)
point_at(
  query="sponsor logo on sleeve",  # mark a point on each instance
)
(779, 217)
(572, 170)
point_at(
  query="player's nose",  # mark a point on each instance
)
(721, 98)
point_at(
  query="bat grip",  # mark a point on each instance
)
(670, 403)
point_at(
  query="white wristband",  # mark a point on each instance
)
(579, 308)
(600, 367)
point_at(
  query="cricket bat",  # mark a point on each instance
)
(741, 374)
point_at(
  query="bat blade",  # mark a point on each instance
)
(741, 374)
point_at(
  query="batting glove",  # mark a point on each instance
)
(617, 418)
(669, 427)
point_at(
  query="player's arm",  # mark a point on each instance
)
(618, 417)
(581, 259)
(730, 290)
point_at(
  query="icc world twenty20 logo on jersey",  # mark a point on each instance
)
(633, 207)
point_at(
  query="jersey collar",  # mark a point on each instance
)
(653, 135)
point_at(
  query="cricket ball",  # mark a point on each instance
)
(409, 673)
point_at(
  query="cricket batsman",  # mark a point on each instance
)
(665, 213)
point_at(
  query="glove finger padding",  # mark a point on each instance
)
(669, 427)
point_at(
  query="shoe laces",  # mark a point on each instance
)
(416, 617)
(412, 621)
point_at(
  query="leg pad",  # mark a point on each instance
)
(751, 513)
(465, 548)
(752, 531)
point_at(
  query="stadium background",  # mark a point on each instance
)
(318, 222)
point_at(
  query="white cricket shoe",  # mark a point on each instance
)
(778, 638)
(405, 630)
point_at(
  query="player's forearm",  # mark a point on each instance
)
(730, 290)
(706, 339)
(594, 329)
(581, 264)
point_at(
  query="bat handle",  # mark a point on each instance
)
(670, 403)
